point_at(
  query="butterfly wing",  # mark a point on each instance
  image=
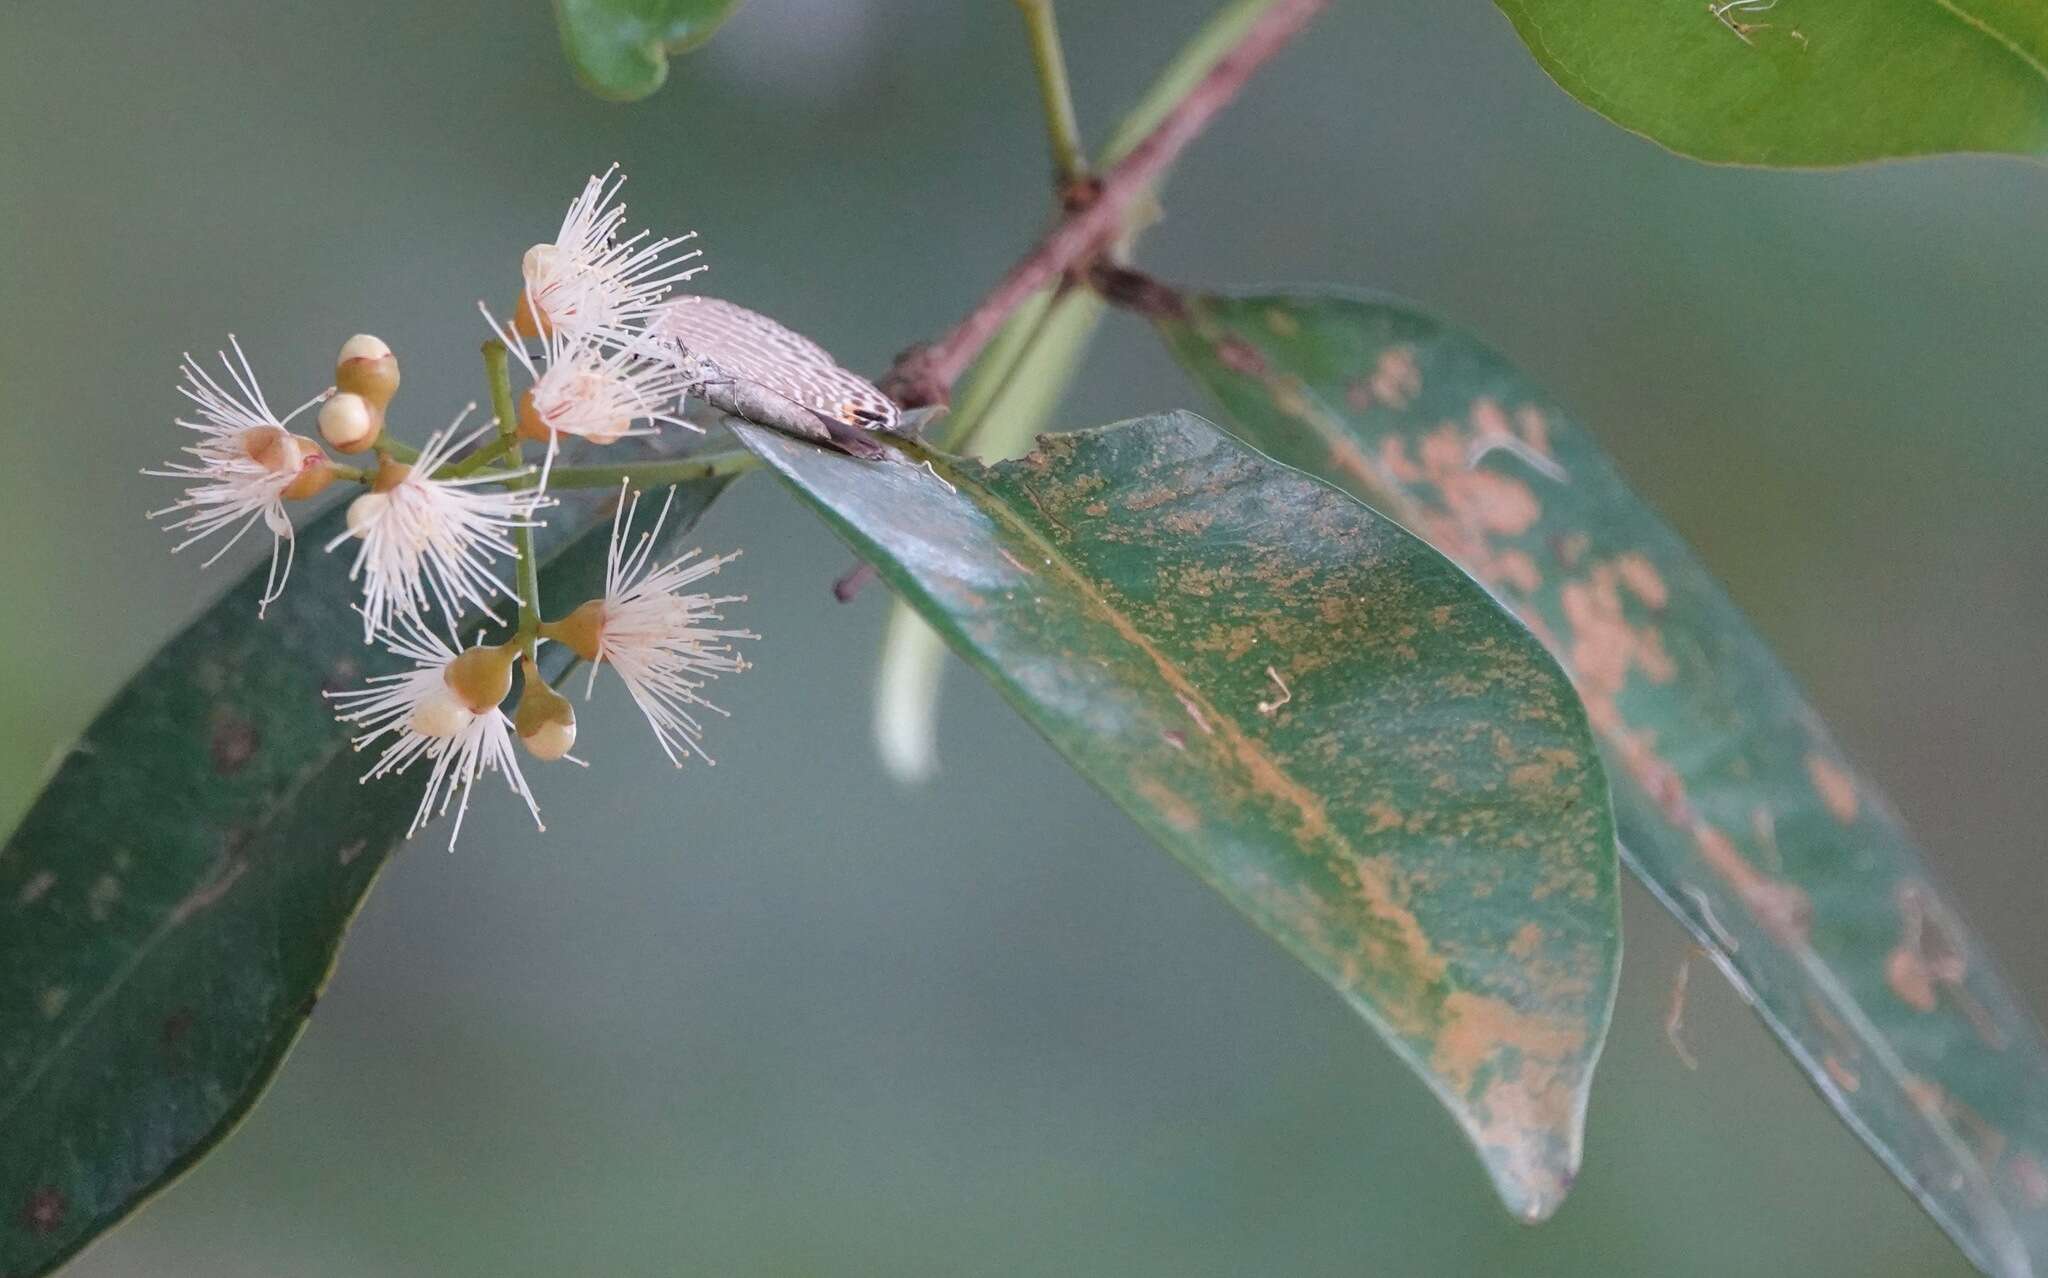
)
(751, 347)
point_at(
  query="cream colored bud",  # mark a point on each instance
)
(367, 367)
(545, 720)
(365, 511)
(272, 448)
(362, 346)
(440, 714)
(551, 740)
(537, 261)
(350, 422)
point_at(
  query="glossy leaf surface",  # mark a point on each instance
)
(1803, 82)
(1320, 716)
(1736, 807)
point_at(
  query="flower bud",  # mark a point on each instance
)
(350, 422)
(440, 714)
(530, 424)
(367, 367)
(540, 261)
(580, 631)
(545, 720)
(365, 511)
(272, 448)
(315, 471)
(481, 677)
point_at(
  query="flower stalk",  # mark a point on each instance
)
(497, 369)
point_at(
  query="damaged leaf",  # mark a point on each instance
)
(1320, 716)
(172, 905)
(1736, 807)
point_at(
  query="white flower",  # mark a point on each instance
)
(593, 284)
(655, 635)
(426, 719)
(579, 388)
(434, 540)
(246, 459)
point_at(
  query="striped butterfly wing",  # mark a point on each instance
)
(748, 345)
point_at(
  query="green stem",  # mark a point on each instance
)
(1069, 157)
(397, 449)
(1221, 33)
(482, 457)
(496, 368)
(655, 474)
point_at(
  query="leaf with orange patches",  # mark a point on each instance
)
(1736, 808)
(1319, 715)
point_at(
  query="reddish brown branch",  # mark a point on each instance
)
(925, 374)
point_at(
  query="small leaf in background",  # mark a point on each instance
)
(1736, 807)
(173, 903)
(1320, 716)
(620, 48)
(1803, 82)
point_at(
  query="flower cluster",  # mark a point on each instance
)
(433, 529)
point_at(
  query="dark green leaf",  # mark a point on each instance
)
(620, 48)
(1803, 82)
(1320, 716)
(173, 903)
(1736, 808)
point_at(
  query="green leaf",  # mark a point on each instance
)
(173, 903)
(1806, 82)
(1317, 714)
(1736, 807)
(619, 49)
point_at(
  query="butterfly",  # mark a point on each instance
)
(745, 364)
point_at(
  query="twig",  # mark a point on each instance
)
(925, 374)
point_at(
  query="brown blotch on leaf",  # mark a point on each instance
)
(1929, 959)
(176, 1026)
(2029, 1179)
(1240, 356)
(1844, 1077)
(1395, 378)
(1642, 579)
(44, 1211)
(1782, 909)
(1478, 1027)
(232, 741)
(1836, 788)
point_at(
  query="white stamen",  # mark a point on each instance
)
(432, 541)
(417, 711)
(230, 488)
(589, 282)
(654, 635)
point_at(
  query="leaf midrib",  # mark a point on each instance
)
(1249, 753)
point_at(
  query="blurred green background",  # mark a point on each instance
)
(786, 1018)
